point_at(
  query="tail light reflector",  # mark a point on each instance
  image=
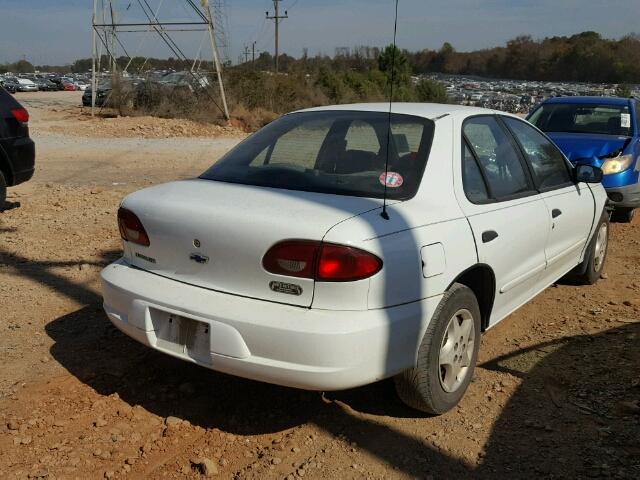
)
(131, 228)
(292, 258)
(20, 114)
(324, 262)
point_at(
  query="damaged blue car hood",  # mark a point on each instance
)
(588, 148)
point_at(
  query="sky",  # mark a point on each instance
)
(59, 31)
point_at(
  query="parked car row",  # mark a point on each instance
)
(514, 96)
(42, 83)
(135, 91)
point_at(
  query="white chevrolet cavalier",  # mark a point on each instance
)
(281, 262)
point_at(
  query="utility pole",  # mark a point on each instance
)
(94, 54)
(246, 54)
(277, 17)
(253, 54)
(216, 59)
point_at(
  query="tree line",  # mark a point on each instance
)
(584, 57)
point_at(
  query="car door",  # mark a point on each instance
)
(508, 217)
(570, 206)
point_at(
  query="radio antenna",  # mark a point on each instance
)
(384, 213)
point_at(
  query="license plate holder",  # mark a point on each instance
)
(185, 337)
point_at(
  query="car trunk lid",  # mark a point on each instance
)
(214, 234)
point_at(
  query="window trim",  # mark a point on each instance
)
(536, 184)
(493, 198)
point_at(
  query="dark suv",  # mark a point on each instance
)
(17, 150)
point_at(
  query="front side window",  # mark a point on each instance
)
(337, 152)
(547, 163)
(599, 119)
(497, 156)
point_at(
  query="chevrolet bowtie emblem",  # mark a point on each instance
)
(196, 257)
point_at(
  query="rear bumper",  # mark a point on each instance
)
(285, 345)
(624, 197)
(22, 157)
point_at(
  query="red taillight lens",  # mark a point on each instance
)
(338, 263)
(20, 114)
(131, 228)
(292, 258)
(320, 261)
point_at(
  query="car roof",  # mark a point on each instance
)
(589, 100)
(426, 110)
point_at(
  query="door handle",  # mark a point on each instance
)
(489, 236)
(556, 212)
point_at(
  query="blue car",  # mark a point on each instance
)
(599, 131)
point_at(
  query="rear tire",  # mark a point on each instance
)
(623, 215)
(3, 191)
(596, 254)
(446, 357)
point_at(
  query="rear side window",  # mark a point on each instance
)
(547, 163)
(337, 152)
(497, 157)
(474, 185)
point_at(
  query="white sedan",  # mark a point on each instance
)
(342, 245)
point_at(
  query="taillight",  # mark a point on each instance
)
(292, 258)
(131, 228)
(324, 262)
(20, 114)
(338, 263)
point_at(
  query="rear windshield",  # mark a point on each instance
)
(597, 118)
(338, 152)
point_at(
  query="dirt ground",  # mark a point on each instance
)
(556, 394)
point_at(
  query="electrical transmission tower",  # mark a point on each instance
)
(221, 28)
(107, 26)
(276, 18)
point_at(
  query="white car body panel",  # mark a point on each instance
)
(517, 270)
(570, 230)
(336, 334)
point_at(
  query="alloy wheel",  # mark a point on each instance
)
(456, 350)
(601, 247)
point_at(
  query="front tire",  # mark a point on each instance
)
(447, 355)
(623, 215)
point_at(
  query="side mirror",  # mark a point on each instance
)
(587, 174)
